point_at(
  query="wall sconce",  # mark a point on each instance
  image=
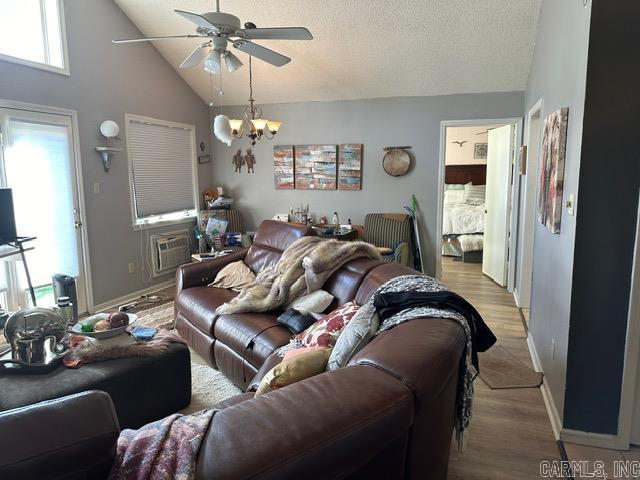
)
(109, 130)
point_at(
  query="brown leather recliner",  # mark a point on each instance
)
(388, 414)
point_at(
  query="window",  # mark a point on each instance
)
(162, 171)
(32, 33)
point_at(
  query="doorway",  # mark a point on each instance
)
(39, 162)
(527, 208)
(476, 223)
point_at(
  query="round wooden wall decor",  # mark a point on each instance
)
(396, 161)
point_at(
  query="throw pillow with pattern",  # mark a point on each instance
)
(325, 331)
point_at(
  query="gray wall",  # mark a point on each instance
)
(606, 222)
(106, 82)
(376, 123)
(557, 76)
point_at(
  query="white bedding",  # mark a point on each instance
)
(461, 218)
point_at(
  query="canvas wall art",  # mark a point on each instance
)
(283, 172)
(350, 166)
(480, 150)
(551, 174)
(315, 167)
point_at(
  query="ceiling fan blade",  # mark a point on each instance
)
(196, 57)
(278, 33)
(151, 39)
(198, 20)
(263, 53)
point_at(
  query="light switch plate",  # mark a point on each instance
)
(571, 202)
(96, 188)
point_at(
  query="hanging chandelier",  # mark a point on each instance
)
(253, 125)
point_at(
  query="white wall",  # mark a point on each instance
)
(463, 155)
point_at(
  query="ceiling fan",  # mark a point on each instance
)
(220, 28)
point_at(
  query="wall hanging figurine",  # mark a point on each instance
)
(250, 160)
(238, 161)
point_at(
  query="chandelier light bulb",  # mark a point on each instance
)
(211, 64)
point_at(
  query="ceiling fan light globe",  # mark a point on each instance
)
(232, 62)
(211, 64)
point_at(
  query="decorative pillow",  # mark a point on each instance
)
(315, 302)
(353, 338)
(325, 331)
(299, 351)
(235, 276)
(292, 370)
(453, 186)
(453, 196)
(474, 194)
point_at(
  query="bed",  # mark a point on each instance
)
(463, 213)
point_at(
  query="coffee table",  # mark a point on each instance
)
(143, 389)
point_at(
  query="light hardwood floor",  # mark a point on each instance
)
(510, 433)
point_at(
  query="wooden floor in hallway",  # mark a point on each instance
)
(510, 433)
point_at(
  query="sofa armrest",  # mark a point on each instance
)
(401, 253)
(203, 273)
(69, 437)
(327, 426)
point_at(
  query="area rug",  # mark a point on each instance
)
(161, 316)
(500, 369)
(208, 385)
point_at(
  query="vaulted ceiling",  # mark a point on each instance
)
(361, 48)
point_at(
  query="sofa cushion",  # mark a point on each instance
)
(198, 304)
(344, 283)
(271, 240)
(253, 336)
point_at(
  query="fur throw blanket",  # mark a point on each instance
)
(303, 268)
(88, 350)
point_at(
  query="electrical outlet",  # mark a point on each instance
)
(96, 188)
(132, 267)
(553, 349)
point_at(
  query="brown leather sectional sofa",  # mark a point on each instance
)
(388, 414)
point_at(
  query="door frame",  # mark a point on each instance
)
(75, 137)
(529, 192)
(517, 121)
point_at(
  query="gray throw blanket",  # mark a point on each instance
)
(303, 268)
(163, 450)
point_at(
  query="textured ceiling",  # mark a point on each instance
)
(361, 48)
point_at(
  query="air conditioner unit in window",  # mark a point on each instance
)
(169, 251)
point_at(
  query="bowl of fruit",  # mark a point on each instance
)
(104, 325)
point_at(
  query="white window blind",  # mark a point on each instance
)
(162, 162)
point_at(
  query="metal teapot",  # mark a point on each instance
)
(28, 331)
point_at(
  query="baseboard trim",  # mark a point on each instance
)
(133, 296)
(547, 397)
(601, 440)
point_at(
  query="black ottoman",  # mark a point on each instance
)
(142, 389)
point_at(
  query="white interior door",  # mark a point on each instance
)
(496, 229)
(37, 161)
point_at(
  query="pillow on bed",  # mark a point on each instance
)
(453, 186)
(474, 194)
(453, 196)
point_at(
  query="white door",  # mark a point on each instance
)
(37, 161)
(496, 228)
